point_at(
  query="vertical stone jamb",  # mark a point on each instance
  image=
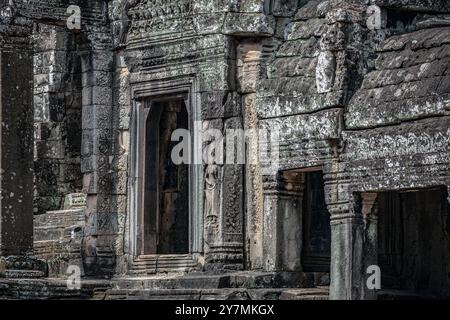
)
(120, 126)
(369, 210)
(282, 241)
(353, 236)
(346, 231)
(99, 178)
(16, 94)
(16, 149)
(248, 63)
(338, 62)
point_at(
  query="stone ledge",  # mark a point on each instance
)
(22, 267)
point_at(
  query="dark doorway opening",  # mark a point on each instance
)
(166, 185)
(413, 242)
(316, 252)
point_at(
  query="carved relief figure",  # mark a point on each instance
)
(325, 71)
(212, 203)
(331, 43)
(118, 16)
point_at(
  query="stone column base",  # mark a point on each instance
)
(225, 257)
(22, 267)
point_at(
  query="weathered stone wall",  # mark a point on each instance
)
(73, 99)
(320, 89)
(303, 97)
(57, 117)
(367, 107)
(185, 50)
(58, 239)
(400, 140)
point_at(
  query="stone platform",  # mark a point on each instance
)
(235, 286)
(50, 289)
(22, 267)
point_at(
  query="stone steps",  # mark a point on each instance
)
(173, 282)
(320, 293)
(199, 286)
(149, 265)
(217, 294)
(175, 288)
(408, 295)
(46, 288)
(243, 279)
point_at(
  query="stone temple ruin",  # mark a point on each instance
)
(357, 90)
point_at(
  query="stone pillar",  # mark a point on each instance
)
(233, 202)
(334, 69)
(16, 153)
(223, 207)
(16, 149)
(369, 209)
(221, 108)
(97, 160)
(121, 116)
(282, 240)
(346, 248)
(353, 242)
(249, 59)
(347, 230)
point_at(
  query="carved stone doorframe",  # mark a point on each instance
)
(142, 94)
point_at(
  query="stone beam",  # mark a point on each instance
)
(417, 5)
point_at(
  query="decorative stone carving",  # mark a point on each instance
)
(119, 18)
(212, 204)
(325, 71)
(75, 201)
(158, 17)
(7, 12)
(249, 66)
(22, 267)
(238, 63)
